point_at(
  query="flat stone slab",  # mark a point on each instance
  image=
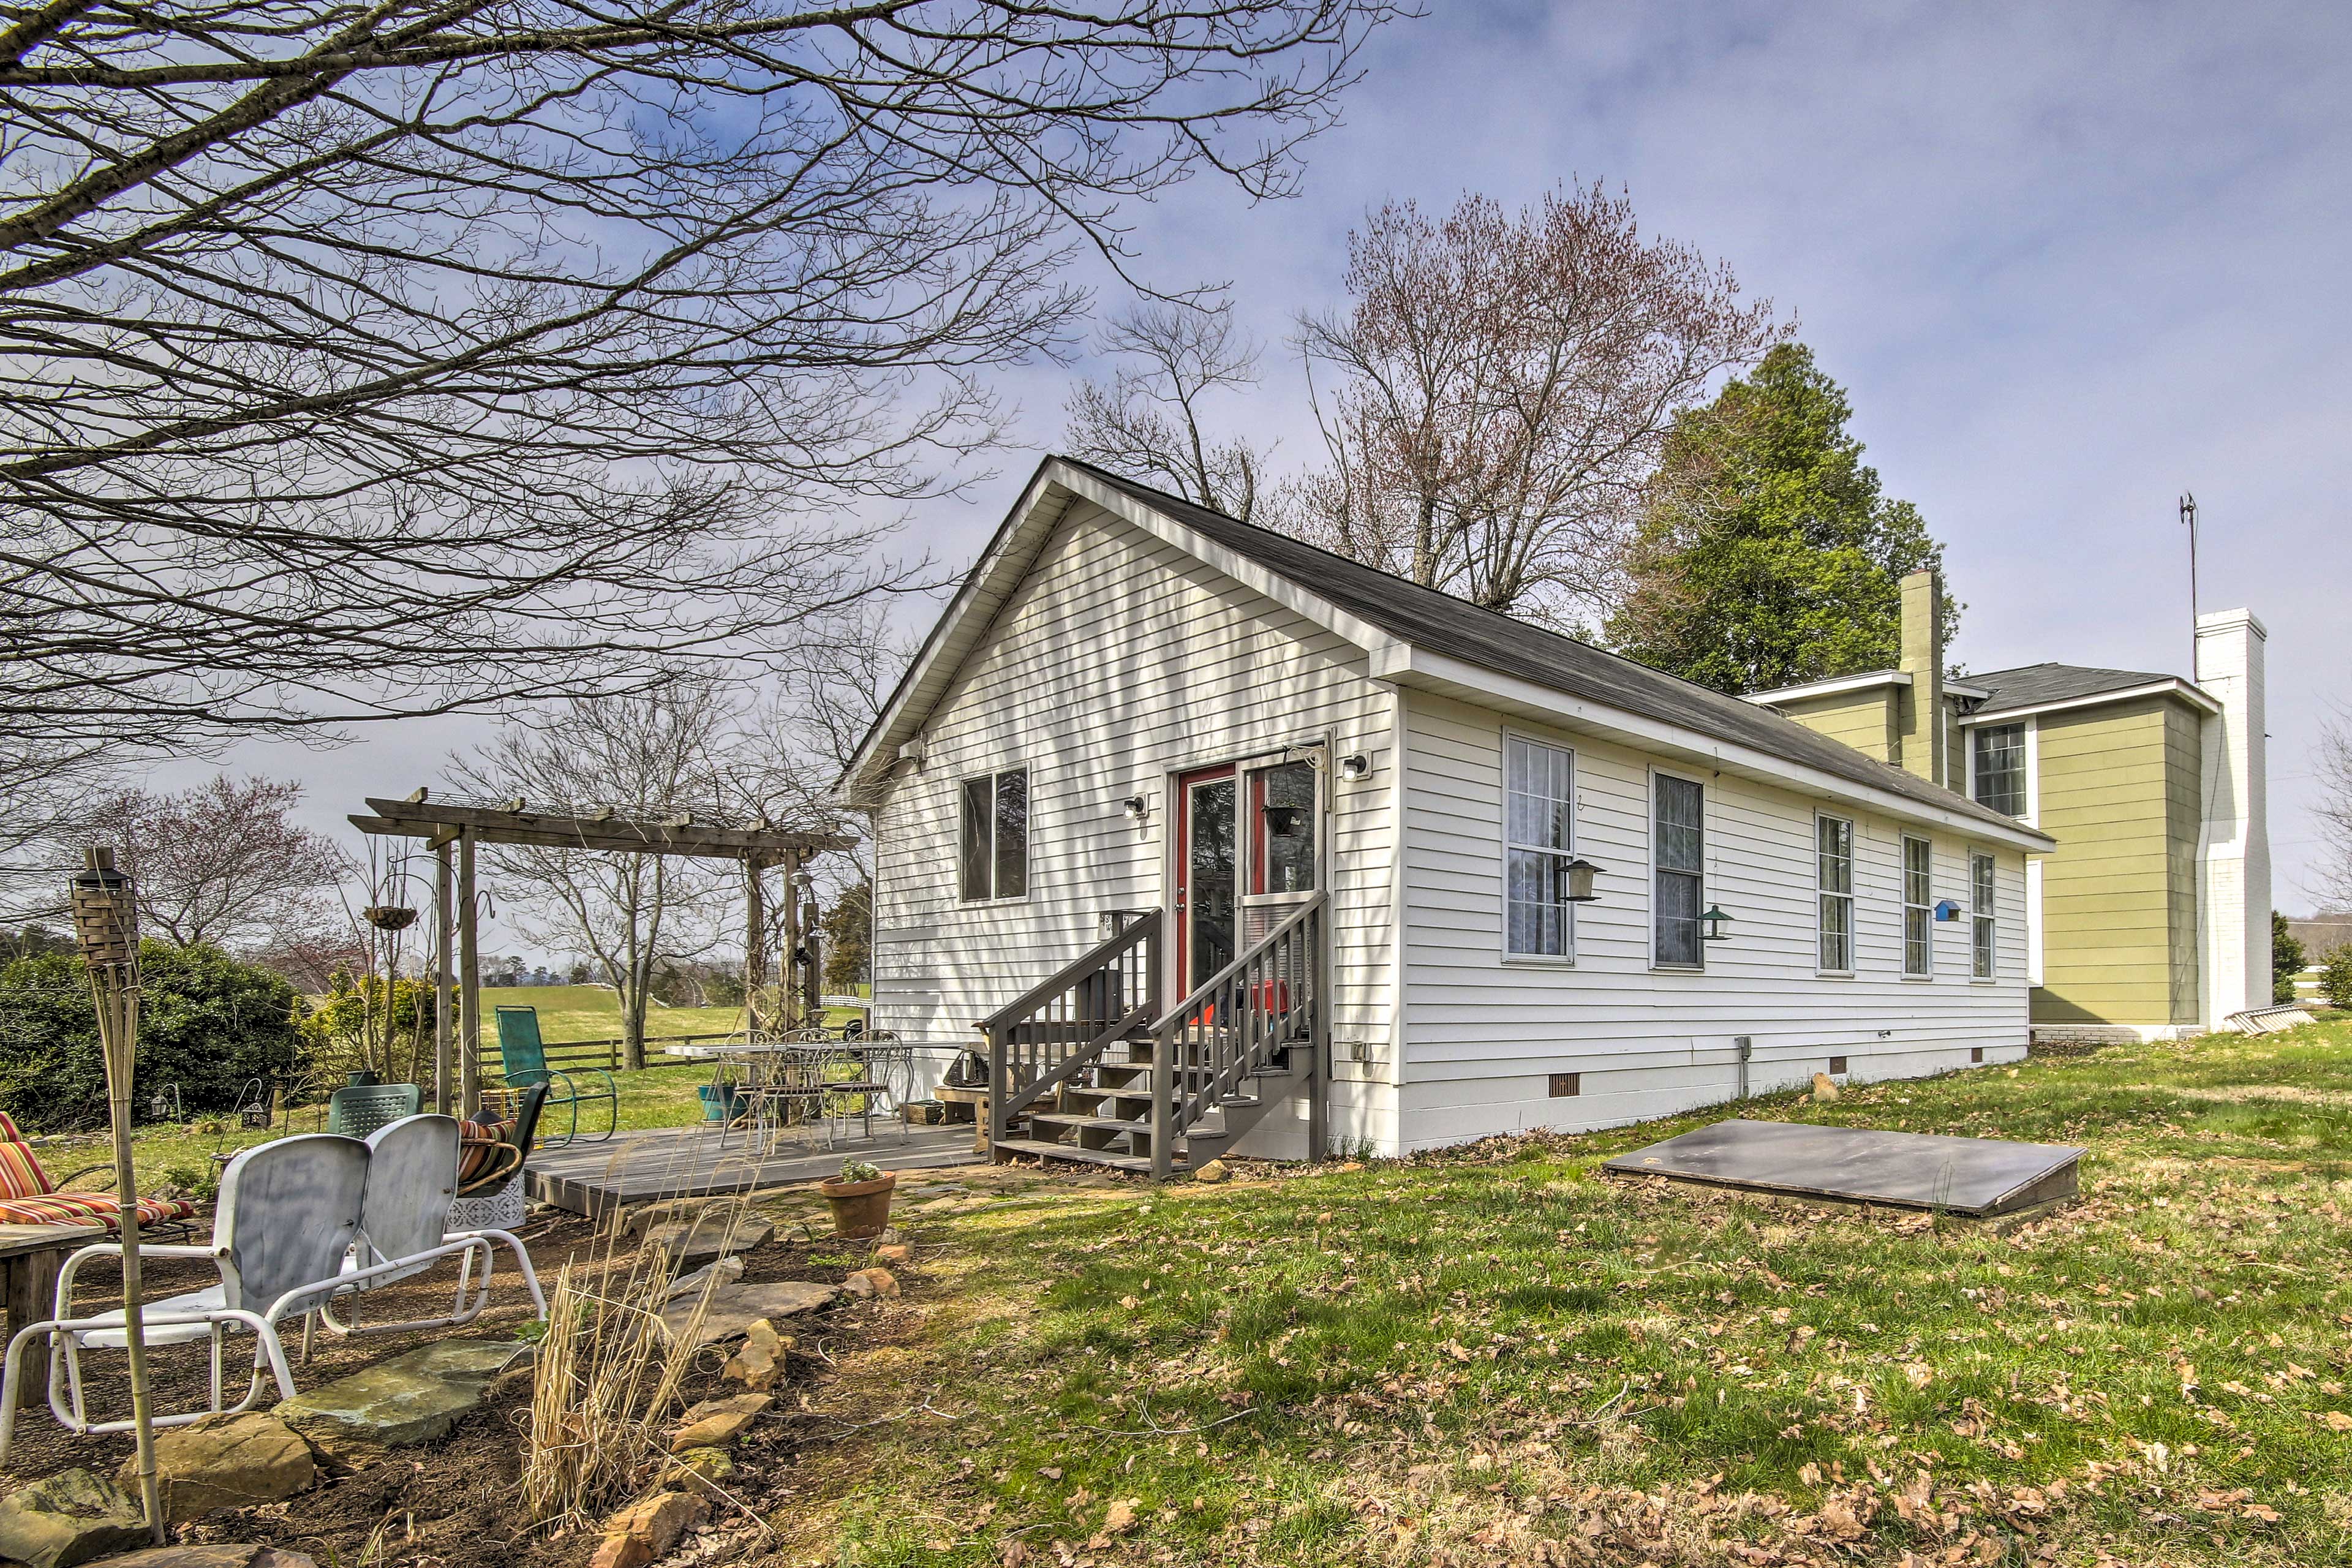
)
(735, 1308)
(68, 1519)
(690, 1242)
(225, 1461)
(412, 1398)
(218, 1556)
(1978, 1178)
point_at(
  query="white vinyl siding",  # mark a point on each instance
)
(1918, 908)
(1538, 841)
(1482, 1033)
(1118, 661)
(1834, 874)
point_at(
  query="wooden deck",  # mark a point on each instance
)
(684, 1163)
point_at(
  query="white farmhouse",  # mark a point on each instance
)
(1203, 838)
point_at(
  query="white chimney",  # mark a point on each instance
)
(2234, 847)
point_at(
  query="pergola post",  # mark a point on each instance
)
(755, 943)
(444, 892)
(789, 992)
(469, 983)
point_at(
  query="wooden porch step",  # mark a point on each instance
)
(1080, 1120)
(1038, 1147)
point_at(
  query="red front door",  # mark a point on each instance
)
(1208, 887)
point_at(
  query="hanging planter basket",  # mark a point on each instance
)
(388, 916)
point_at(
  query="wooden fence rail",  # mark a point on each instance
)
(605, 1053)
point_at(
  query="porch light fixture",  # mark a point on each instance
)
(1135, 807)
(1715, 920)
(1355, 766)
(1580, 881)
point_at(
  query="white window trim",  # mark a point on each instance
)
(1650, 899)
(1977, 852)
(1903, 903)
(1853, 879)
(1028, 842)
(1575, 837)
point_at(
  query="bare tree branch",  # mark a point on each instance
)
(1504, 387)
(421, 355)
(1150, 420)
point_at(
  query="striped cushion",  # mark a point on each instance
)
(84, 1208)
(21, 1176)
(479, 1144)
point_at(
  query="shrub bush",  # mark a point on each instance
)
(2336, 978)
(207, 1022)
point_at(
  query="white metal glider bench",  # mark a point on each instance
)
(287, 1236)
(403, 1214)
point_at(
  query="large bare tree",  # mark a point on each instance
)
(2331, 762)
(1153, 419)
(223, 863)
(1495, 395)
(644, 756)
(362, 362)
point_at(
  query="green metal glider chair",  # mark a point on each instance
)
(524, 1057)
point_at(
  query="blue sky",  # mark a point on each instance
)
(2068, 261)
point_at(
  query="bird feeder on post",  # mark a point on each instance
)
(106, 925)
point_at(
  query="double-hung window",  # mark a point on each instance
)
(1998, 766)
(1918, 911)
(992, 846)
(1679, 840)
(1538, 841)
(1833, 857)
(1980, 917)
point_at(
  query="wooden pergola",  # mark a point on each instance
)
(451, 832)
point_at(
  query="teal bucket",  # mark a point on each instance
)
(720, 1102)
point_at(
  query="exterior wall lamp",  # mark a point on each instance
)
(1355, 766)
(1715, 920)
(1580, 881)
(1135, 807)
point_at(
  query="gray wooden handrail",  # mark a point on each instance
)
(1059, 1026)
(1097, 957)
(1200, 993)
(1234, 1031)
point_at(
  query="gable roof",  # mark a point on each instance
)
(1412, 632)
(2046, 685)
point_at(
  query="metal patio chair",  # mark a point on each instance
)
(522, 1056)
(359, 1108)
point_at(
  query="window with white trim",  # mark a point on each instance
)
(1538, 841)
(992, 846)
(1678, 854)
(1833, 862)
(1980, 915)
(1999, 767)
(1918, 910)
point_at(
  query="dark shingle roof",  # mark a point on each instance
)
(2032, 685)
(1459, 629)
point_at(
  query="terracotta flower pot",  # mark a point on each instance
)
(860, 1209)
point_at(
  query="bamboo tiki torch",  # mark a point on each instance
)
(106, 921)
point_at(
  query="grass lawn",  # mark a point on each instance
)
(1500, 1356)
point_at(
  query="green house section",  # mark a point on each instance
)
(1865, 720)
(2119, 792)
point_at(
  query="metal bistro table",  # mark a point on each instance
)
(793, 1079)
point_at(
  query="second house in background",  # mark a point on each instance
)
(2152, 917)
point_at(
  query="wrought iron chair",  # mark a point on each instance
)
(359, 1108)
(523, 1057)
